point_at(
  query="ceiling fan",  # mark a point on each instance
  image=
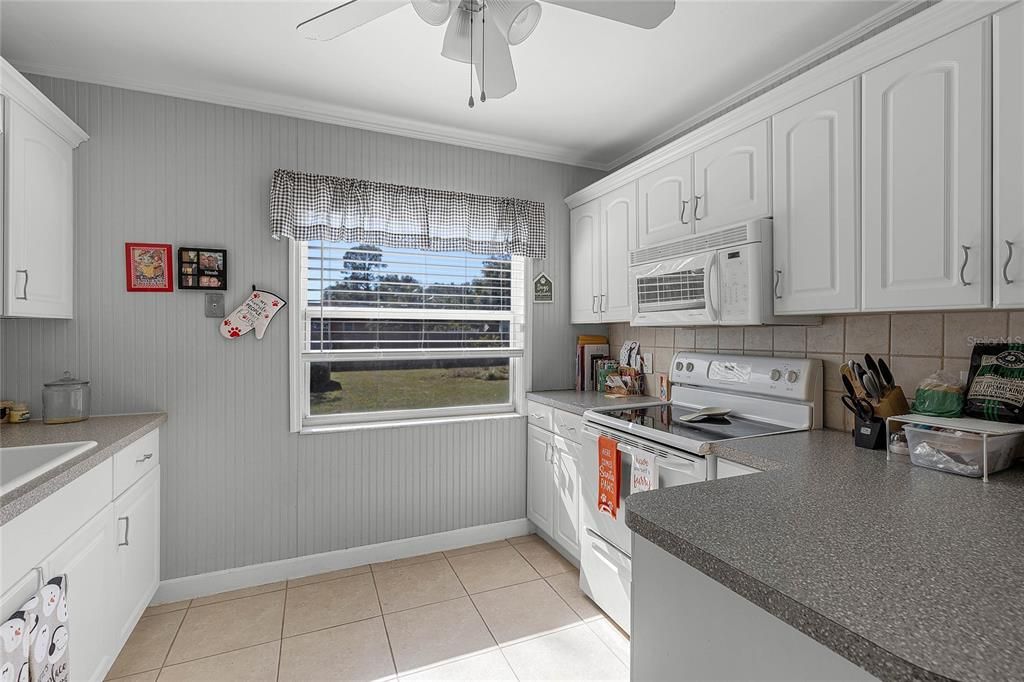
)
(480, 32)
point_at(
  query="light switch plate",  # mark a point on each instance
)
(215, 305)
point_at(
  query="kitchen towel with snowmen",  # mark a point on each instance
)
(34, 640)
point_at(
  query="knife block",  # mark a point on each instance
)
(892, 404)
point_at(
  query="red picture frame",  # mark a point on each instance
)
(148, 267)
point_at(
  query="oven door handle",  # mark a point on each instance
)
(673, 464)
(597, 536)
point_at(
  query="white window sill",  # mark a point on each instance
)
(428, 421)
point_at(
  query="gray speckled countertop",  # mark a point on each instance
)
(907, 572)
(579, 402)
(110, 433)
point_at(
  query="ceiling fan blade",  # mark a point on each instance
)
(495, 72)
(641, 13)
(346, 17)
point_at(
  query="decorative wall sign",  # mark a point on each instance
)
(202, 268)
(148, 267)
(255, 313)
(543, 289)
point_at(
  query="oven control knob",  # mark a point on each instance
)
(775, 374)
(792, 376)
(689, 367)
(679, 366)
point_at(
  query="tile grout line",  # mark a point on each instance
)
(484, 620)
(280, 641)
(384, 623)
(174, 639)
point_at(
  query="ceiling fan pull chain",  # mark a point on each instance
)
(471, 102)
(483, 52)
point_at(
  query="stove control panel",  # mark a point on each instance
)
(790, 378)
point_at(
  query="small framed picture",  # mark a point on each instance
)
(148, 267)
(200, 268)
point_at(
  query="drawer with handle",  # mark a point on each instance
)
(540, 415)
(135, 461)
(567, 424)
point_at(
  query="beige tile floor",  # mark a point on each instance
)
(503, 610)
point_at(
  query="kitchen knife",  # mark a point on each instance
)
(886, 373)
(849, 387)
(872, 366)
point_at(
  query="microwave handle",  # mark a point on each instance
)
(708, 283)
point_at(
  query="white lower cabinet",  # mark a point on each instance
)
(565, 464)
(87, 559)
(137, 517)
(109, 549)
(540, 482)
(553, 484)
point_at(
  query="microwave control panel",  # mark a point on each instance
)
(735, 266)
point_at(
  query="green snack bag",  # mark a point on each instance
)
(995, 388)
(939, 395)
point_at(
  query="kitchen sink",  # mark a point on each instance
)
(21, 464)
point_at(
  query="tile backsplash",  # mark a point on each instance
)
(914, 345)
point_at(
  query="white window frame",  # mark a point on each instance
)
(301, 421)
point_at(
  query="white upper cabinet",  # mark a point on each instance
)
(926, 234)
(618, 222)
(666, 204)
(1008, 147)
(599, 235)
(815, 156)
(38, 237)
(731, 179)
(584, 266)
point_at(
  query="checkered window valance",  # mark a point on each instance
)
(309, 207)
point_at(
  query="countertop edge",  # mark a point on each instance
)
(853, 647)
(24, 497)
(585, 400)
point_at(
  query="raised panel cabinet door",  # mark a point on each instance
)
(816, 239)
(618, 218)
(926, 177)
(666, 204)
(731, 179)
(540, 480)
(584, 265)
(87, 559)
(1008, 147)
(137, 549)
(567, 495)
(38, 237)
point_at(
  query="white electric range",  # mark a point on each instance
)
(767, 396)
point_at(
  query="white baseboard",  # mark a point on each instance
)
(205, 584)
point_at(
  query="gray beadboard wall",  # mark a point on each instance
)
(238, 488)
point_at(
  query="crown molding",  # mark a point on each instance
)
(903, 37)
(310, 110)
(19, 89)
(848, 37)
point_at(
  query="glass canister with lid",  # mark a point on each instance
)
(65, 400)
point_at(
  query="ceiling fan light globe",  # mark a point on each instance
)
(516, 19)
(434, 12)
(456, 44)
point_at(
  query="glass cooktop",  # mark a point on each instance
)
(665, 418)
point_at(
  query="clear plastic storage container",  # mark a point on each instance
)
(959, 452)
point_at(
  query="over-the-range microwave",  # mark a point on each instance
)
(719, 277)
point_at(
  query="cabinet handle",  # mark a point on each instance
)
(547, 452)
(593, 306)
(1006, 265)
(126, 521)
(778, 278)
(24, 289)
(682, 213)
(963, 266)
(604, 308)
(40, 578)
(145, 458)
(696, 206)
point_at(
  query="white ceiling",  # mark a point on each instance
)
(591, 91)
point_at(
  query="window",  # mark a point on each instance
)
(393, 333)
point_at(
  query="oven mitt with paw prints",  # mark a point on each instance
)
(255, 313)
